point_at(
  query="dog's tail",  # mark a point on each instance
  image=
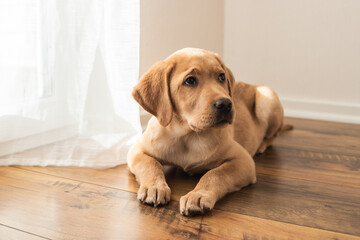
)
(286, 127)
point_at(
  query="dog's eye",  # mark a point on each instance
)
(190, 81)
(222, 77)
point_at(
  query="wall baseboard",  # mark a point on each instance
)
(321, 110)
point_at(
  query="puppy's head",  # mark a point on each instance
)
(192, 83)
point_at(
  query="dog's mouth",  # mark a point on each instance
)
(223, 120)
(218, 122)
(221, 123)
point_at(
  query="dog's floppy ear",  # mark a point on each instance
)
(153, 92)
(231, 80)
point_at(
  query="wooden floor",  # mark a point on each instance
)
(308, 188)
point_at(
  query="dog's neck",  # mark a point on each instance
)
(179, 127)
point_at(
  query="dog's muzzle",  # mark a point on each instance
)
(224, 111)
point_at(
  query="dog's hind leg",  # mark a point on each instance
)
(265, 144)
(270, 114)
(268, 141)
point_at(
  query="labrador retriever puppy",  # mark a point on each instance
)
(203, 121)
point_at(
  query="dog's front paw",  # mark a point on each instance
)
(197, 202)
(154, 194)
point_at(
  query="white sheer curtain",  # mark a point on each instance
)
(67, 68)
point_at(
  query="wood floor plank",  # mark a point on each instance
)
(320, 142)
(333, 128)
(225, 225)
(118, 177)
(309, 165)
(312, 175)
(317, 205)
(13, 234)
(65, 209)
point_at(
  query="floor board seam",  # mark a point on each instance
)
(20, 230)
(75, 180)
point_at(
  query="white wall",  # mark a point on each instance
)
(168, 25)
(308, 51)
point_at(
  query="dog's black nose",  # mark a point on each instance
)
(223, 104)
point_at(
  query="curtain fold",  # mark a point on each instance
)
(86, 61)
